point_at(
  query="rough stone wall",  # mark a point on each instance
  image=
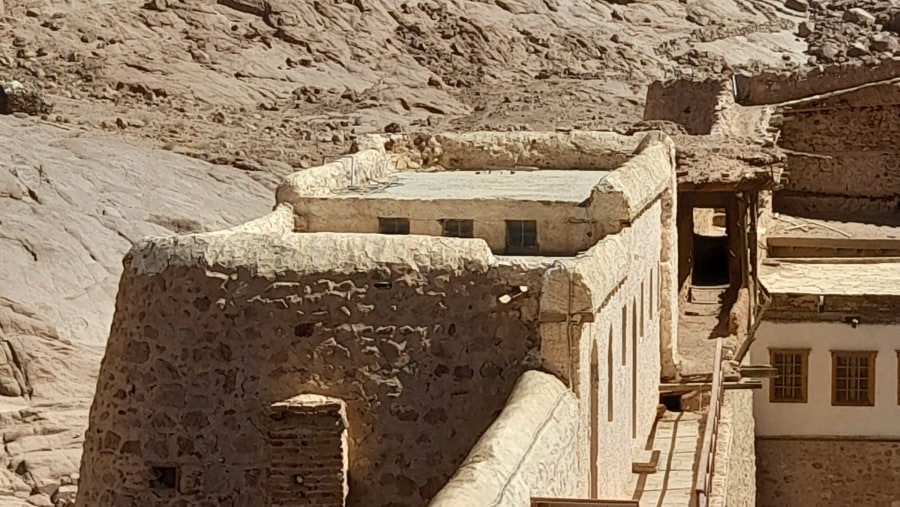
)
(734, 481)
(828, 473)
(838, 150)
(571, 150)
(775, 87)
(531, 450)
(876, 308)
(210, 330)
(690, 103)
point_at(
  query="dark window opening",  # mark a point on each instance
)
(382, 285)
(304, 330)
(671, 401)
(521, 236)
(163, 477)
(393, 225)
(710, 244)
(458, 228)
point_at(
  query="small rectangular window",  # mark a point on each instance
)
(393, 225)
(163, 477)
(458, 228)
(790, 386)
(521, 236)
(853, 378)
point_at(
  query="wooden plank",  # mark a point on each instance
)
(573, 502)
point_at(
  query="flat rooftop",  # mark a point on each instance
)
(831, 278)
(787, 228)
(566, 186)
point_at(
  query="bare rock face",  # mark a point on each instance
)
(859, 16)
(16, 98)
(797, 5)
(69, 212)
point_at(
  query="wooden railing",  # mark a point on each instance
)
(707, 463)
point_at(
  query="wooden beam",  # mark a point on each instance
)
(684, 387)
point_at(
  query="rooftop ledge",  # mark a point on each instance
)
(620, 174)
(835, 277)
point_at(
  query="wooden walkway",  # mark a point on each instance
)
(677, 437)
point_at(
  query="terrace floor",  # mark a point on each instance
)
(702, 319)
(519, 185)
(677, 437)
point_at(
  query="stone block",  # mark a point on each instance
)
(17, 98)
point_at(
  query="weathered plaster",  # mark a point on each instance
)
(533, 449)
(734, 480)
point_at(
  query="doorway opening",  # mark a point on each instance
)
(710, 248)
(671, 401)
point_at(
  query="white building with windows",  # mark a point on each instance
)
(828, 426)
(829, 423)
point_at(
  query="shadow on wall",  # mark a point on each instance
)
(692, 104)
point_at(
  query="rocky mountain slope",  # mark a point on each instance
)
(177, 116)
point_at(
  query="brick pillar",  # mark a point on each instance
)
(307, 444)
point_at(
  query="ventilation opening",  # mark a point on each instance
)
(382, 285)
(163, 477)
(671, 401)
(304, 330)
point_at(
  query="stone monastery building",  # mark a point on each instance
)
(529, 319)
(395, 306)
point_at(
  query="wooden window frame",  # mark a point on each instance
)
(872, 356)
(523, 249)
(388, 225)
(458, 228)
(804, 367)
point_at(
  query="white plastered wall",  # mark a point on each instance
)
(637, 253)
(817, 417)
